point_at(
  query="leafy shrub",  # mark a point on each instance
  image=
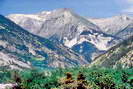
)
(92, 78)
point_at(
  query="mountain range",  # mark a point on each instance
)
(62, 38)
(65, 27)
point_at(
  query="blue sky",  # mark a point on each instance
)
(88, 8)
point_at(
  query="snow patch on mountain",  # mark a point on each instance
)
(21, 16)
(100, 42)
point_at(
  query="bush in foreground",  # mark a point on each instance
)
(90, 78)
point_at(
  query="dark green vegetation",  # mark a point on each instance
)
(96, 78)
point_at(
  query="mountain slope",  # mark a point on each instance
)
(126, 32)
(122, 54)
(66, 27)
(115, 25)
(10, 61)
(31, 49)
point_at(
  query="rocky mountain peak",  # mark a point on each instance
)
(62, 12)
(123, 17)
(113, 25)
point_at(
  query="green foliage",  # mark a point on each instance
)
(4, 76)
(97, 78)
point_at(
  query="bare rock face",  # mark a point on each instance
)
(20, 49)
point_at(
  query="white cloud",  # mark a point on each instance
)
(128, 10)
(129, 1)
(129, 6)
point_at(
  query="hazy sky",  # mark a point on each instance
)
(88, 8)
